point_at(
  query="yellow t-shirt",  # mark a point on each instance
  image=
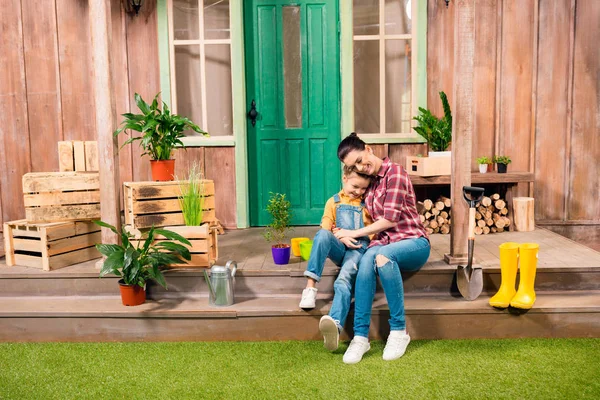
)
(328, 220)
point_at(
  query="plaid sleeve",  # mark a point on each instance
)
(395, 196)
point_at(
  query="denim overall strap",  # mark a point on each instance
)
(336, 198)
(349, 217)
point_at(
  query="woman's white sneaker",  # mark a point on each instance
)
(396, 345)
(330, 331)
(358, 347)
(309, 297)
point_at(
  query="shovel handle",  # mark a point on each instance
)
(471, 224)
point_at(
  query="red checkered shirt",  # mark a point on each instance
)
(391, 196)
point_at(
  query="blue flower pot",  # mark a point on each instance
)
(281, 255)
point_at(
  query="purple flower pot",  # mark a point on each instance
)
(281, 255)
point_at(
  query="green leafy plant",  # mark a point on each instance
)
(484, 160)
(161, 130)
(136, 264)
(502, 160)
(191, 196)
(280, 210)
(436, 131)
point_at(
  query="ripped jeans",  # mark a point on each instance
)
(325, 246)
(405, 255)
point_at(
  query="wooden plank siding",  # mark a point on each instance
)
(535, 93)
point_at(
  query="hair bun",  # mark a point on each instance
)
(353, 134)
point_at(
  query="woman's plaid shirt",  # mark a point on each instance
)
(391, 196)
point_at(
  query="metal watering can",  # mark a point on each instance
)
(221, 284)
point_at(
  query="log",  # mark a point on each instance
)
(420, 207)
(489, 221)
(435, 211)
(481, 223)
(427, 215)
(504, 211)
(444, 214)
(486, 230)
(447, 202)
(486, 201)
(422, 218)
(478, 230)
(429, 231)
(433, 224)
(439, 205)
(495, 196)
(524, 214)
(500, 224)
(444, 230)
(500, 204)
(428, 204)
(478, 215)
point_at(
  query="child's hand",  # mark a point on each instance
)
(342, 233)
(350, 243)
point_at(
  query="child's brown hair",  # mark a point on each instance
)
(350, 170)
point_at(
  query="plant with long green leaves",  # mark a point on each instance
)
(191, 196)
(436, 131)
(161, 130)
(137, 263)
(280, 210)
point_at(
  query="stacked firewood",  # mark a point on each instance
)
(435, 216)
(490, 215)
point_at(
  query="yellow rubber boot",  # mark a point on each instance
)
(509, 259)
(525, 296)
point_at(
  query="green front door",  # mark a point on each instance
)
(292, 75)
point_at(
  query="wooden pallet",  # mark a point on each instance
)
(50, 246)
(61, 196)
(204, 248)
(156, 204)
(78, 155)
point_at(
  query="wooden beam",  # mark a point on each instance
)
(462, 125)
(101, 30)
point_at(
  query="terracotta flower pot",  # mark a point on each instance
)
(162, 170)
(132, 295)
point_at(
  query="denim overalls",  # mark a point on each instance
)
(328, 246)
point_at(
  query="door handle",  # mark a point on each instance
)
(252, 114)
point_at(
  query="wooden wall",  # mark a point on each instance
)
(537, 95)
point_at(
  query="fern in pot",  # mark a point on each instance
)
(161, 131)
(436, 131)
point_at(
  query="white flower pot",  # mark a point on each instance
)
(440, 153)
(483, 168)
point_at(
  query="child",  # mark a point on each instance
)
(345, 210)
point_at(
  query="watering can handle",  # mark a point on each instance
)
(234, 267)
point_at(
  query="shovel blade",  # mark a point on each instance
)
(469, 281)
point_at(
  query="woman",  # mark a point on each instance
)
(400, 244)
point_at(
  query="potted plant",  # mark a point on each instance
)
(436, 131)
(137, 261)
(279, 208)
(161, 132)
(483, 164)
(191, 200)
(502, 163)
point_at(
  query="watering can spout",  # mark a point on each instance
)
(210, 286)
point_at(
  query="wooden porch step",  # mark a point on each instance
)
(103, 318)
(432, 279)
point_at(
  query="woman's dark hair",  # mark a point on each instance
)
(350, 143)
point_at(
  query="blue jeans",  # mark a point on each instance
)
(405, 255)
(325, 246)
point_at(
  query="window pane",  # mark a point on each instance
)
(366, 86)
(218, 89)
(366, 17)
(398, 86)
(185, 20)
(216, 19)
(187, 75)
(292, 67)
(397, 17)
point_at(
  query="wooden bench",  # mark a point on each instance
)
(507, 182)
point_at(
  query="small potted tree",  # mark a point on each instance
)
(161, 132)
(279, 208)
(137, 261)
(483, 164)
(502, 163)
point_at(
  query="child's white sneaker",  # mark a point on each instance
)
(330, 331)
(309, 296)
(396, 345)
(358, 347)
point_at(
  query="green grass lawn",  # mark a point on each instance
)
(461, 369)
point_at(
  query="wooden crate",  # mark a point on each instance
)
(204, 249)
(156, 203)
(50, 246)
(61, 196)
(428, 166)
(77, 155)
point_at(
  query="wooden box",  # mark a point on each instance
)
(156, 203)
(50, 246)
(61, 196)
(428, 166)
(77, 155)
(204, 250)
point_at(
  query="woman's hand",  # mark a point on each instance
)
(344, 233)
(350, 243)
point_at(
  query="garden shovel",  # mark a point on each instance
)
(469, 279)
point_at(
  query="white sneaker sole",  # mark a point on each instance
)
(331, 335)
(308, 306)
